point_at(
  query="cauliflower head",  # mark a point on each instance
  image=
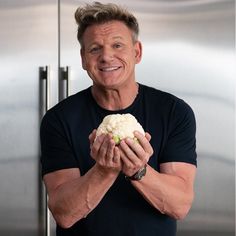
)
(120, 126)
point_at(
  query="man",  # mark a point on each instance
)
(94, 186)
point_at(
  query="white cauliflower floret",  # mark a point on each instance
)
(120, 126)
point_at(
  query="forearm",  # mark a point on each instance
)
(73, 201)
(169, 194)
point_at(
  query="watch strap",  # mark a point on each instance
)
(139, 174)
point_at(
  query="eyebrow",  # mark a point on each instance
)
(97, 43)
(117, 37)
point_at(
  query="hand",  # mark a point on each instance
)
(135, 155)
(104, 152)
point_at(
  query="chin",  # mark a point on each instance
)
(110, 84)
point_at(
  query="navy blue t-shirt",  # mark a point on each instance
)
(123, 211)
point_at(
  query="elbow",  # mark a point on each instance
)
(178, 213)
(64, 222)
(62, 219)
(182, 212)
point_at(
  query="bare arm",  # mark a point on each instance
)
(171, 190)
(72, 196)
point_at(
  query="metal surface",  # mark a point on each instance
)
(28, 32)
(45, 105)
(45, 78)
(65, 82)
(188, 50)
(69, 46)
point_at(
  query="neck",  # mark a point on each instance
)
(115, 98)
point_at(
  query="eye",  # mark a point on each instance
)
(94, 49)
(117, 45)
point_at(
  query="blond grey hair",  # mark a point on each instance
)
(97, 13)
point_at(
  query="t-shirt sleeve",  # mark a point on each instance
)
(56, 150)
(181, 139)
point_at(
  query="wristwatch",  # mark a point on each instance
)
(139, 174)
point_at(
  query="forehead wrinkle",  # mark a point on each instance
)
(108, 32)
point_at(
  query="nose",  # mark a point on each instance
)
(106, 55)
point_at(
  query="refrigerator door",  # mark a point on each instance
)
(189, 47)
(70, 50)
(29, 40)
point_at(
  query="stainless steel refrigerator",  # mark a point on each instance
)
(188, 50)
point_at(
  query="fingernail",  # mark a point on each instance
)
(128, 139)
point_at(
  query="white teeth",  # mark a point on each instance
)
(110, 68)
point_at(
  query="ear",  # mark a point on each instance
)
(138, 51)
(83, 59)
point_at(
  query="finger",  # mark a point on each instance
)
(148, 136)
(92, 135)
(95, 147)
(128, 167)
(116, 156)
(127, 164)
(103, 151)
(110, 148)
(128, 153)
(137, 149)
(144, 142)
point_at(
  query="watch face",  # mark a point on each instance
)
(140, 173)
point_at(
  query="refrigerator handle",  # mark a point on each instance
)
(65, 82)
(45, 105)
(45, 76)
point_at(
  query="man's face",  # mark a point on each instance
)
(109, 54)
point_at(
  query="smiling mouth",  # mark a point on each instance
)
(109, 69)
